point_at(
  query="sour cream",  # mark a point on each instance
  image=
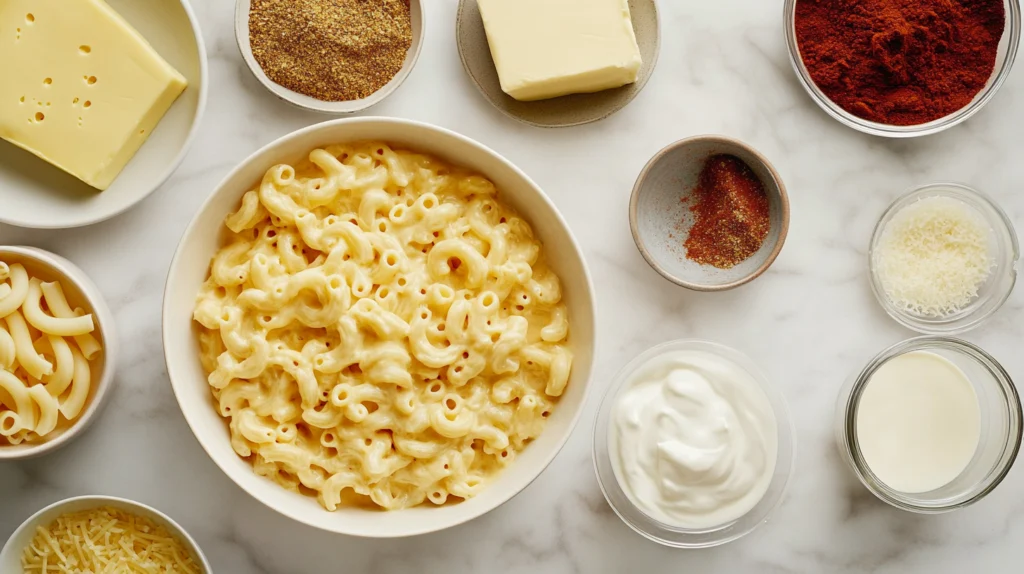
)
(693, 440)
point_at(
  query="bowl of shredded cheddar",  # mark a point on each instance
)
(99, 534)
(379, 328)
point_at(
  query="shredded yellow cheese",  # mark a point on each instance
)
(933, 256)
(106, 541)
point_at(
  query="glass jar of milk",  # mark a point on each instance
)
(930, 425)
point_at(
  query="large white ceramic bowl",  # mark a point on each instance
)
(10, 556)
(36, 194)
(203, 237)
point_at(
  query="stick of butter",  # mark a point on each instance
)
(79, 87)
(549, 48)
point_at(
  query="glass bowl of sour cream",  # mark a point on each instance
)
(930, 425)
(693, 447)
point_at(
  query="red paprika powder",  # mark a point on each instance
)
(731, 213)
(900, 62)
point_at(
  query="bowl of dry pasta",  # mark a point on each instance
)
(380, 328)
(58, 350)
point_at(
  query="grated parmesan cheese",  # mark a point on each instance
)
(106, 541)
(933, 256)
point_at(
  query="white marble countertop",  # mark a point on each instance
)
(810, 321)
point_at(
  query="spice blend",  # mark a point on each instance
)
(900, 62)
(731, 213)
(331, 50)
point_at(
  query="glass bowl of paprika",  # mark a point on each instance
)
(920, 69)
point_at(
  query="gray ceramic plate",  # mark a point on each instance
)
(561, 112)
(661, 220)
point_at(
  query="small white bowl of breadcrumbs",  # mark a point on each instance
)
(330, 56)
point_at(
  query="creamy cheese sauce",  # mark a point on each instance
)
(693, 440)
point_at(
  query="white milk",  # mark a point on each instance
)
(918, 422)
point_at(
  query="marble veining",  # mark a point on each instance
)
(810, 321)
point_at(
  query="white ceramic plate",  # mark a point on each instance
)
(203, 237)
(10, 556)
(36, 194)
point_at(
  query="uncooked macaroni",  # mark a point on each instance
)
(379, 325)
(45, 349)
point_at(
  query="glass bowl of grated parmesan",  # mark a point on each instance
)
(943, 258)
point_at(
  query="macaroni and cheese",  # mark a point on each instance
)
(380, 326)
(45, 349)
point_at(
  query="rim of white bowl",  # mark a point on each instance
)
(178, 260)
(101, 500)
(68, 271)
(197, 121)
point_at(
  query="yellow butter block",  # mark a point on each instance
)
(79, 87)
(549, 48)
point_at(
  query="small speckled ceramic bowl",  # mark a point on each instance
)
(660, 218)
(566, 111)
(242, 8)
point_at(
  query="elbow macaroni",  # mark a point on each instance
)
(45, 377)
(381, 327)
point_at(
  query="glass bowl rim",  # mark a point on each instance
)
(852, 397)
(999, 76)
(973, 319)
(665, 534)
